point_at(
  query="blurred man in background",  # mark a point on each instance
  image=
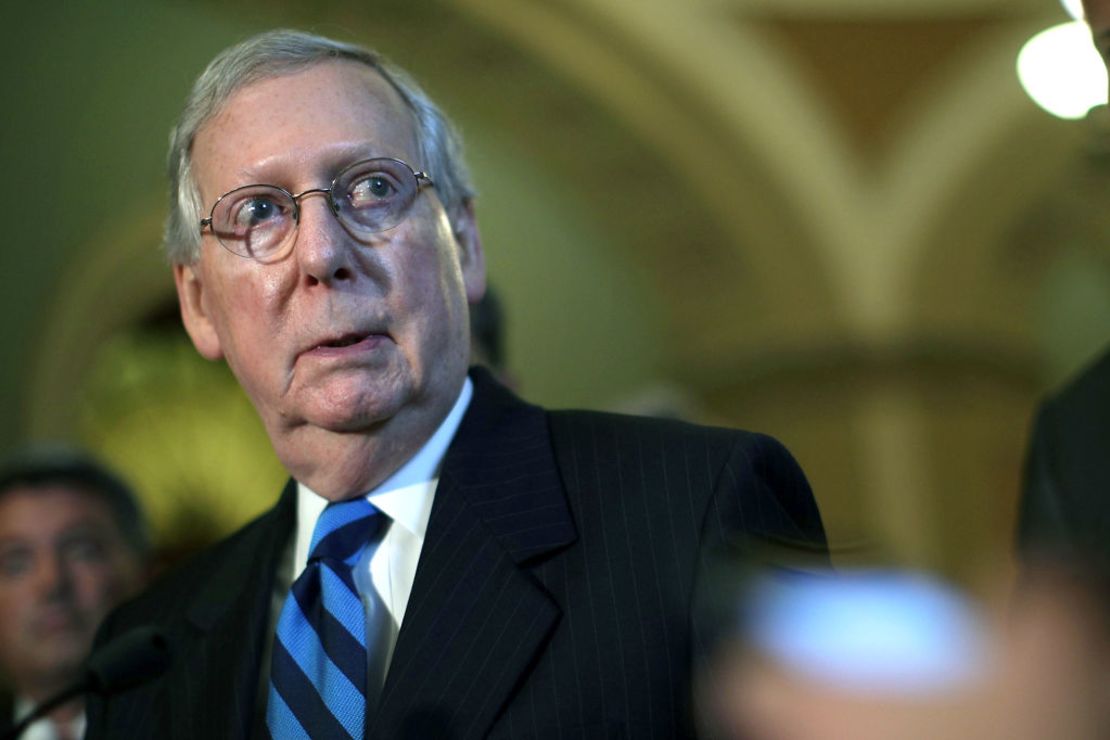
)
(73, 544)
(487, 338)
(1065, 508)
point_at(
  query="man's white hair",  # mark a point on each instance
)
(283, 52)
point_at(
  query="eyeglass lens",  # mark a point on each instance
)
(368, 197)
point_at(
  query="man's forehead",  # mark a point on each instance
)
(339, 76)
(51, 501)
(328, 97)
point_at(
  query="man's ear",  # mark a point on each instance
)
(471, 257)
(194, 312)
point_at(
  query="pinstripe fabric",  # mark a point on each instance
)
(318, 665)
(564, 552)
(554, 594)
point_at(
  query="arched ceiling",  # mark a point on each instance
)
(841, 146)
(739, 179)
(810, 214)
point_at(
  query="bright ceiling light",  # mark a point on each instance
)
(1074, 8)
(1061, 71)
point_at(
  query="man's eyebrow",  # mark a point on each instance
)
(340, 157)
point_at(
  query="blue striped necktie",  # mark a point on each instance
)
(318, 671)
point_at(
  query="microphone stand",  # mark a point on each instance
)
(67, 694)
(127, 661)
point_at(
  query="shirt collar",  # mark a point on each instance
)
(44, 727)
(405, 497)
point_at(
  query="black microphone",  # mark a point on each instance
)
(127, 661)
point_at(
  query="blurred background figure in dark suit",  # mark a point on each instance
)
(73, 544)
(487, 337)
(1065, 512)
(1065, 508)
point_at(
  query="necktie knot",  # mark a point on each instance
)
(343, 529)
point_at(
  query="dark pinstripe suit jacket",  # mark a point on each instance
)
(552, 598)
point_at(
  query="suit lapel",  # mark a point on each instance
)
(228, 620)
(477, 618)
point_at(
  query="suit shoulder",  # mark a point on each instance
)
(577, 427)
(1087, 393)
(583, 421)
(737, 480)
(1064, 506)
(1071, 430)
(707, 453)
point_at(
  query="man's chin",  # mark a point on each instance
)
(357, 424)
(62, 659)
(364, 416)
(347, 404)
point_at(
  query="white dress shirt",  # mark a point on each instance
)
(46, 728)
(406, 498)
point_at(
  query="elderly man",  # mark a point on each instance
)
(1065, 508)
(446, 561)
(72, 546)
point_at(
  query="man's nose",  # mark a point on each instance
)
(52, 575)
(323, 247)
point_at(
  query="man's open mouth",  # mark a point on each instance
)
(345, 341)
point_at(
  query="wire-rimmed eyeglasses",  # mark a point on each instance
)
(260, 221)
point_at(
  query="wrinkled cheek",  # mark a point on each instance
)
(273, 288)
(250, 344)
(97, 592)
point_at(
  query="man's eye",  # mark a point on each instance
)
(14, 563)
(372, 189)
(254, 211)
(84, 549)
